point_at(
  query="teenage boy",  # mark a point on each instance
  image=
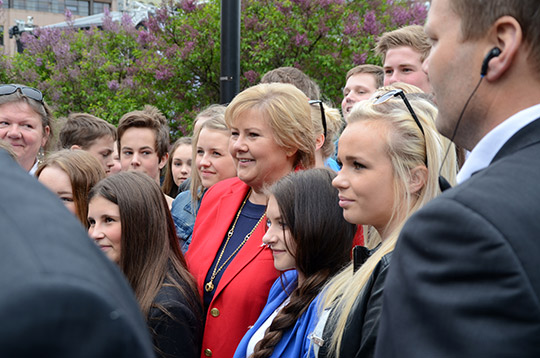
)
(403, 52)
(92, 134)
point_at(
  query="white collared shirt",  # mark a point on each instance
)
(484, 152)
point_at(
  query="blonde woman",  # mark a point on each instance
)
(391, 154)
(212, 164)
(271, 136)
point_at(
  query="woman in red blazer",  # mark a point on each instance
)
(271, 135)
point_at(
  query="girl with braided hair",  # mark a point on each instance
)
(310, 242)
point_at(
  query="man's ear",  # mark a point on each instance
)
(418, 179)
(508, 36)
(75, 146)
(163, 161)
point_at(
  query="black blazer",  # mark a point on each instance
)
(59, 295)
(360, 334)
(465, 275)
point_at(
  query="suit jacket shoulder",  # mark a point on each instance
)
(466, 265)
(60, 295)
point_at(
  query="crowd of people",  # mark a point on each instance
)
(402, 225)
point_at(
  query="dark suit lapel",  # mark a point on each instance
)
(526, 136)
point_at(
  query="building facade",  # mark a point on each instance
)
(19, 15)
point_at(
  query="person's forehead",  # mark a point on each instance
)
(438, 11)
(361, 79)
(402, 55)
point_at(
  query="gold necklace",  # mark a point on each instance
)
(209, 287)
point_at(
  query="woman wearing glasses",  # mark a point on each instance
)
(271, 136)
(25, 123)
(391, 154)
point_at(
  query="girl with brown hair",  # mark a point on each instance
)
(70, 174)
(310, 242)
(130, 221)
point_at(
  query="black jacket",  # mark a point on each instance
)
(177, 334)
(360, 334)
(60, 295)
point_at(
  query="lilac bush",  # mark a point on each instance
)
(173, 62)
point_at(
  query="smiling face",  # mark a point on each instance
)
(105, 226)
(366, 179)
(404, 64)
(181, 163)
(259, 159)
(57, 181)
(358, 88)
(138, 152)
(21, 127)
(103, 149)
(214, 162)
(278, 237)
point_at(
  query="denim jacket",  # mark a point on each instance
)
(184, 218)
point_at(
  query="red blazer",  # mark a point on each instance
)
(245, 284)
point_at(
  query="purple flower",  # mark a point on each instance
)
(38, 61)
(186, 51)
(163, 73)
(301, 40)
(359, 58)
(285, 10)
(128, 82)
(113, 85)
(371, 25)
(188, 5)
(326, 3)
(172, 51)
(418, 14)
(251, 76)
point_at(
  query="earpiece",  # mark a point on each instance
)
(493, 53)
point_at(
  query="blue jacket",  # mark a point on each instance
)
(184, 218)
(294, 342)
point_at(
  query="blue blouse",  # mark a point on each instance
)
(294, 342)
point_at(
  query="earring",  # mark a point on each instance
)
(40, 155)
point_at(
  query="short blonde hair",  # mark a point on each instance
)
(287, 111)
(412, 36)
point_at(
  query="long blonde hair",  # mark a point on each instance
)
(407, 148)
(217, 123)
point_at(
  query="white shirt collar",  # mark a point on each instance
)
(487, 148)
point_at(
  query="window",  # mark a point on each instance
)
(99, 7)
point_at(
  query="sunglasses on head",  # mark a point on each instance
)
(323, 116)
(29, 92)
(399, 93)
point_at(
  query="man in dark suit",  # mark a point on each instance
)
(59, 296)
(465, 275)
